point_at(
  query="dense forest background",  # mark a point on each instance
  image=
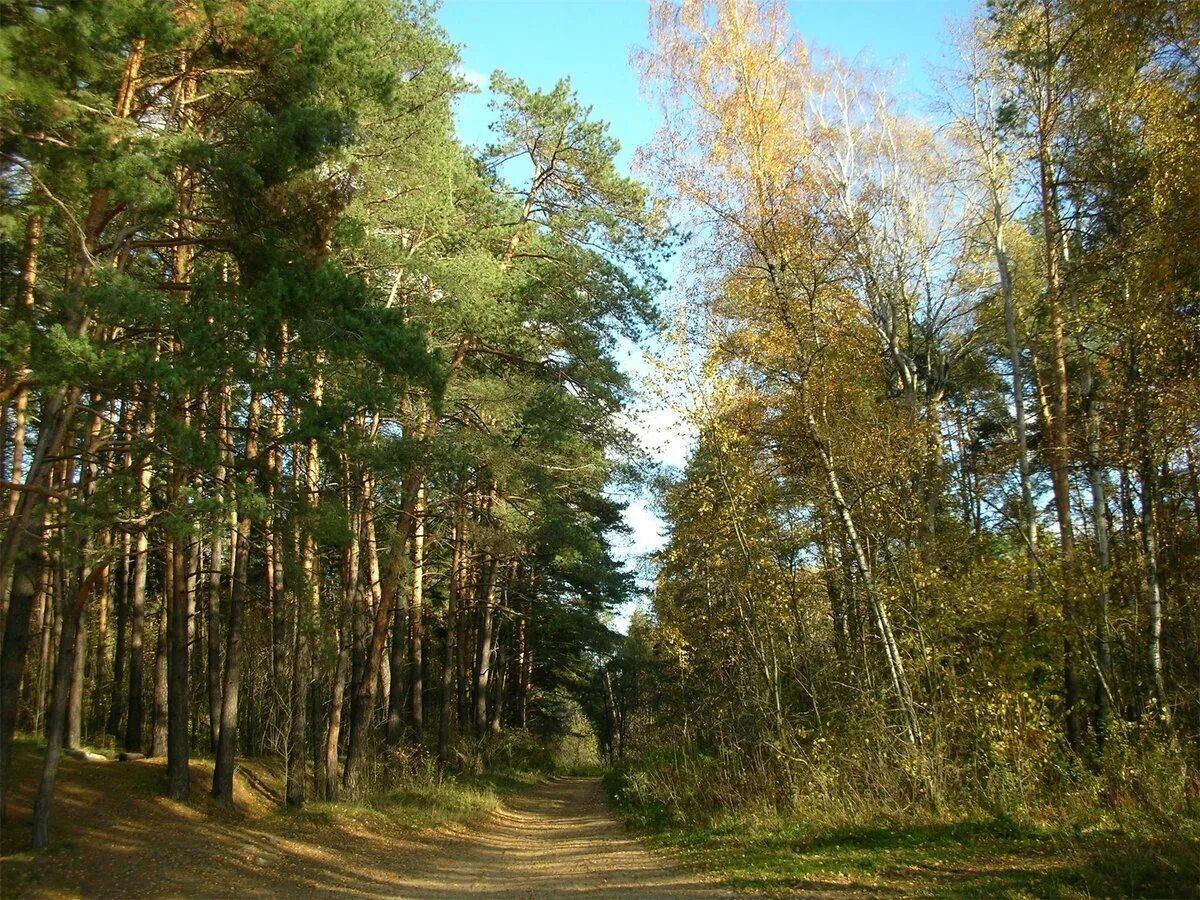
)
(312, 415)
(936, 545)
(309, 411)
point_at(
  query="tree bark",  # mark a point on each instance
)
(364, 699)
(71, 609)
(395, 695)
(1149, 478)
(137, 602)
(1060, 446)
(1099, 491)
(26, 524)
(178, 739)
(75, 693)
(416, 621)
(485, 604)
(226, 744)
(878, 608)
(216, 561)
(158, 718)
(116, 708)
(449, 646)
(306, 613)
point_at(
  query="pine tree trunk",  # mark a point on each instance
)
(273, 540)
(449, 646)
(74, 735)
(329, 790)
(227, 725)
(70, 610)
(137, 600)
(306, 617)
(522, 655)
(26, 523)
(44, 616)
(178, 750)
(158, 716)
(29, 273)
(116, 708)
(416, 621)
(395, 696)
(485, 603)
(364, 700)
(20, 558)
(216, 561)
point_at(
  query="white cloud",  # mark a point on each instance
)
(662, 433)
(646, 530)
(471, 76)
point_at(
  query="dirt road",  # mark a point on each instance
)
(113, 834)
(557, 839)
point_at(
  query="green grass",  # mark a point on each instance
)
(418, 805)
(962, 858)
(958, 859)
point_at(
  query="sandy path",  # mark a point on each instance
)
(113, 835)
(557, 839)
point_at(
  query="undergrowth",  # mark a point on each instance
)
(1125, 825)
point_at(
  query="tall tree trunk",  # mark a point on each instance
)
(364, 699)
(273, 539)
(499, 685)
(1148, 475)
(178, 739)
(158, 714)
(878, 609)
(226, 744)
(19, 554)
(45, 617)
(137, 600)
(485, 605)
(116, 707)
(522, 654)
(1028, 507)
(1099, 490)
(306, 616)
(71, 609)
(216, 561)
(75, 693)
(452, 613)
(1060, 445)
(29, 273)
(329, 790)
(416, 621)
(465, 646)
(394, 728)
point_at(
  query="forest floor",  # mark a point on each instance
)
(950, 859)
(114, 834)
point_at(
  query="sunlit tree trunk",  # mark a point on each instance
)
(416, 621)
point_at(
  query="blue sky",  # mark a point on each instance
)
(541, 41)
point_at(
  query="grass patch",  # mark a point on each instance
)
(970, 857)
(959, 859)
(419, 805)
